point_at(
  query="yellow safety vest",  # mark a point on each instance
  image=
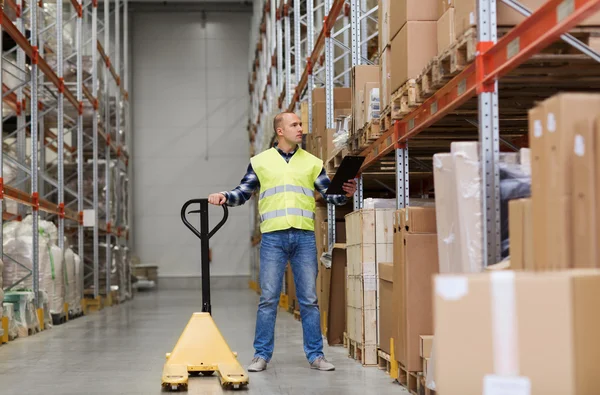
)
(287, 190)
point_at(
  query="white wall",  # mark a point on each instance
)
(190, 101)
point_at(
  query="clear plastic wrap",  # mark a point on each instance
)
(25, 316)
(8, 310)
(78, 285)
(19, 263)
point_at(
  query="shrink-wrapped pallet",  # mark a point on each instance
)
(19, 250)
(8, 311)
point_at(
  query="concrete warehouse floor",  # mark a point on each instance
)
(121, 350)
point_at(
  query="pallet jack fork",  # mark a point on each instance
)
(201, 348)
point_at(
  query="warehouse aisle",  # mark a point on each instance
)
(121, 351)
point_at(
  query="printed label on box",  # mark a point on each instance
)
(506, 385)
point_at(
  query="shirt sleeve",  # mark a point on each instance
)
(322, 183)
(243, 192)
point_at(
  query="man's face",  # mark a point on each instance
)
(291, 128)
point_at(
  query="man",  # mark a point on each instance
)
(287, 177)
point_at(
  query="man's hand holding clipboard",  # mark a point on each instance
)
(343, 181)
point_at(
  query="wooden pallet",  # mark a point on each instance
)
(384, 361)
(335, 160)
(422, 388)
(355, 350)
(370, 133)
(404, 100)
(385, 122)
(408, 380)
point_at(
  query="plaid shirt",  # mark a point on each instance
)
(242, 193)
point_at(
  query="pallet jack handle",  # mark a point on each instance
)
(204, 235)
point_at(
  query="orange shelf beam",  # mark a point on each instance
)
(536, 32)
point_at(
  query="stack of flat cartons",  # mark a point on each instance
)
(364, 79)
(320, 141)
(413, 38)
(565, 178)
(415, 262)
(369, 242)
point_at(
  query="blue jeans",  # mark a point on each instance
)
(300, 249)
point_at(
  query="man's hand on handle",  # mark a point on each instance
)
(218, 199)
(349, 187)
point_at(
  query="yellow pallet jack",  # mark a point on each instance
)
(201, 349)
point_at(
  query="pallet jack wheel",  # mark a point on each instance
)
(208, 373)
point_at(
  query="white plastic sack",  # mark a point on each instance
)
(8, 310)
(70, 279)
(78, 284)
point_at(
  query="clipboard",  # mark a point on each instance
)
(348, 170)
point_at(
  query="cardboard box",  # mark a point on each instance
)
(360, 76)
(385, 92)
(528, 253)
(412, 48)
(562, 112)
(583, 203)
(336, 319)
(403, 11)
(384, 24)
(466, 14)
(445, 31)
(426, 344)
(386, 305)
(304, 116)
(415, 261)
(541, 327)
(319, 114)
(443, 6)
(537, 136)
(419, 220)
(340, 95)
(516, 236)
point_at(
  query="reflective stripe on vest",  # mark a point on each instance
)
(286, 188)
(289, 211)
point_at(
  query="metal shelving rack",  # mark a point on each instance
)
(53, 102)
(494, 59)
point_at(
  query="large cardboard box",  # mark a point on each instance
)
(466, 14)
(386, 322)
(515, 234)
(384, 24)
(340, 95)
(583, 203)
(537, 136)
(403, 11)
(562, 112)
(385, 67)
(445, 31)
(319, 115)
(415, 261)
(412, 48)
(443, 6)
(517, 329)
(369, 87)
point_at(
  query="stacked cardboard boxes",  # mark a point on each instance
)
(369, 242)
(413, 38)
(364, 80)
(320, 141)
(415, 262)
